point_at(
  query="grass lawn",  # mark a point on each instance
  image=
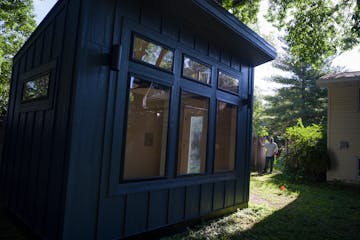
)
(300, 211)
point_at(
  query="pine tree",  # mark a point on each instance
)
(299, 96)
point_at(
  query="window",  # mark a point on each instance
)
(227, 82)
(36, 88)
(146, 137)
(152, 53)
(192, 134)
(196, 71)
(225, 137)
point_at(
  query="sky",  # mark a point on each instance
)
(350, 59)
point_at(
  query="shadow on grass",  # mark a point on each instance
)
(321, 211)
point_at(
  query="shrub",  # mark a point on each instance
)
(306, 153)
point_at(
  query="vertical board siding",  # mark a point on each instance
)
(25, 165)
(14, 178)
(111, 218)
(30, 136)
(192, 202)
(206, 198)
(158, 211)
(218, 195)
(9, 137)
(135, 213)
(34, 166)
(239, 191)
(66, 21)
(150, 19)
(229, 193)
(151, 209)
(176, 206)
(201, 45)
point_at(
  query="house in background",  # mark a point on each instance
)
(343, 125)
(130, 116)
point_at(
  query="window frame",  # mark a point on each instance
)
(231, 75)
(48, 74)
(236, 136)
(199, 61)
(37, 104)
(141, 36)
(122, 180)
(118, 102)
(182, 89)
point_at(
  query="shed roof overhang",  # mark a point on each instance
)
(340, 79)
(215, 23)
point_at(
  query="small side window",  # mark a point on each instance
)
(36, 88)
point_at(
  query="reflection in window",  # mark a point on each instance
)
(228, 82)
(225, 137)
(196, 71)
(146, 136)
(152, 53)
(192, 134)
(36, 88)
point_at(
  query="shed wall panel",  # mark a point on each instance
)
(33, 162)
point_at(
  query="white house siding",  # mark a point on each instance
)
(344, 126)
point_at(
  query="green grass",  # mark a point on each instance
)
(301, 211)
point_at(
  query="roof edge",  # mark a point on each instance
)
(237, 26)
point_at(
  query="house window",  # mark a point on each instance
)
(225, 137)
(147, 125)
(192, 134)
(196, 71)
(228, 83)
(152, 53)
(36, 88)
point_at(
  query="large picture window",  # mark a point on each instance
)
(152, 53)
(193, 134)
(225, 137)
(146, 138)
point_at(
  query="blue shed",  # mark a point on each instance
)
(126, 117)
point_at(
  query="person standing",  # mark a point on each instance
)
(271, 149)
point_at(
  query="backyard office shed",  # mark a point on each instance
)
(130, 116)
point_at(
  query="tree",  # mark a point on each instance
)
(245, 10)
(16, 24)
(315, 30)
(299, 97)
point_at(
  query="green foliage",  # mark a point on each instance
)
(245, 10)
(316, 30)
(16, 24)
(299, 96)
(306, 153)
